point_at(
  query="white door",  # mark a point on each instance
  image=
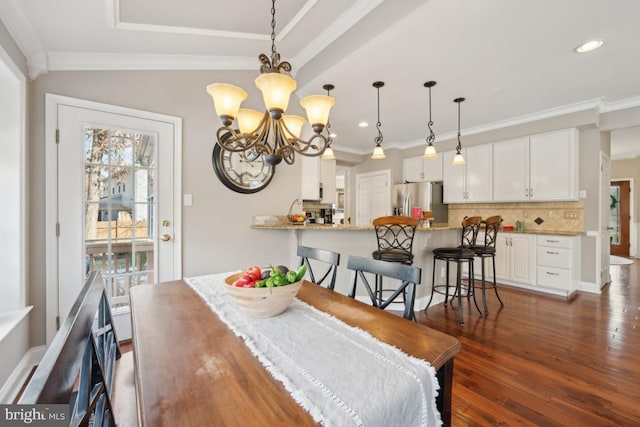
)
(373, 196)
(113, 198)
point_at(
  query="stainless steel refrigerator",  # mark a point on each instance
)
(424, 195)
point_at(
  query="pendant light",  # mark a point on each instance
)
(458, 159)
(430, 150)
(378, 153)
(328, 151)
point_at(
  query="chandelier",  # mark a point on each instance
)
(272, 134)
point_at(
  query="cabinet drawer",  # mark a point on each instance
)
(554, 278)
(553, 257)
(554, 241)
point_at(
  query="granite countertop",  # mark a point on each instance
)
(281, 222)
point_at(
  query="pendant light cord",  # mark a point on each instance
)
(379, 138)
(432, 136)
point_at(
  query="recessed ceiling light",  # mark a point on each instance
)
(363, 124)
(333, 135)
(589, 46)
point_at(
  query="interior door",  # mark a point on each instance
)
(116, 206)
(619, 217)
(373, 196)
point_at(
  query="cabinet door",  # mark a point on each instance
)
(511, 170)
(478, 162)
(432, 168)
(328, 180)
(553, 162)
(454, 178)
(310, 177)
(502, 256)
(412, 169)
(522, 259)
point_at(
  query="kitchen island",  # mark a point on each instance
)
(361, 241)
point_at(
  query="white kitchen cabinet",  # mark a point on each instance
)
(419, 169)
(557, 261)
(541, 167)
(317, 173)
(515, 259)
(471, 182)
(310, 177)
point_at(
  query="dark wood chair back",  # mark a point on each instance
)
(491, 226)
(78, 368)
(328, 269)
(394, 235)
(470, 228)
(409, 277)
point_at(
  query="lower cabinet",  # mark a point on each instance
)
(543, 263)
(557, 262)
(515, 258)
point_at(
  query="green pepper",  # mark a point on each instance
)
(291, 276)
(261, 283)
(300, 272)
(271, 282)
(281, 280)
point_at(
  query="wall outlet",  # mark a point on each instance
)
(571, 214)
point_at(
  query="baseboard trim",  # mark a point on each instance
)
(19, 376)
(590, 287)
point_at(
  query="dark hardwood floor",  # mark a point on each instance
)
(545, 361)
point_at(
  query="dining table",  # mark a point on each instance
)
(193, 369)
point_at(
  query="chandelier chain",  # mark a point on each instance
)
(273, 28)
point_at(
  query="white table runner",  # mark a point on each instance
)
(340, 374)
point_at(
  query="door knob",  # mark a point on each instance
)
(166, 237)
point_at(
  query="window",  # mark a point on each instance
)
(12, 192)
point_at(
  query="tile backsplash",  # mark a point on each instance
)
(553, 216)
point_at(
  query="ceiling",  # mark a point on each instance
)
(513, 60)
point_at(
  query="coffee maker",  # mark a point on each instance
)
(327, 214)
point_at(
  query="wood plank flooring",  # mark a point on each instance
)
(545, 361)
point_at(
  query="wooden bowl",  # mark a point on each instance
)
(261, 302)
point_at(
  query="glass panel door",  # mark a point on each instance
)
(119, 207)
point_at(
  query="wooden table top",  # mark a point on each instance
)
(192, 370)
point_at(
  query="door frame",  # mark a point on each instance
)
(625, 225)
(52, 101)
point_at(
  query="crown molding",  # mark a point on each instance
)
(20, 28)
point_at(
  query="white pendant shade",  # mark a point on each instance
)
(458, 159)
(317, 108)
(294, 124)
(378, 153)
(226, 99)
(248, 120)
(276, 90)
(430, 152)
(328, 154)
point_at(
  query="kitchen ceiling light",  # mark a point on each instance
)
(589, 46)
(328, 151)
(458, 159)
(430, 150)
(271, 134)
(363, 124)
(378, 152)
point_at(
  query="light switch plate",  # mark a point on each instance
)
(582, 194)
(188, 200)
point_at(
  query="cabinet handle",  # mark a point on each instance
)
(553, 253)
(552, 274)
(553, 241)
(531, 192)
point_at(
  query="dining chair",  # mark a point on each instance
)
(461, 254)
(394, 235)
(324, 257)
(487, 249)
(407, 277)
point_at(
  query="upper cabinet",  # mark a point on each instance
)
(541, 167)
(471, 182)
(419, 169)
(317, 173)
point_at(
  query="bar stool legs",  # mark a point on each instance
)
(484, 281)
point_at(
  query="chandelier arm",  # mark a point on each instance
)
(232, 140)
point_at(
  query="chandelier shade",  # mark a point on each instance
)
(294, 125)
(317, 108)
(226, 100)
(249, 120)
(276, 90)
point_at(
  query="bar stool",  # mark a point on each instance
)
(460, 254)
(488, 250)
(394, 235)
